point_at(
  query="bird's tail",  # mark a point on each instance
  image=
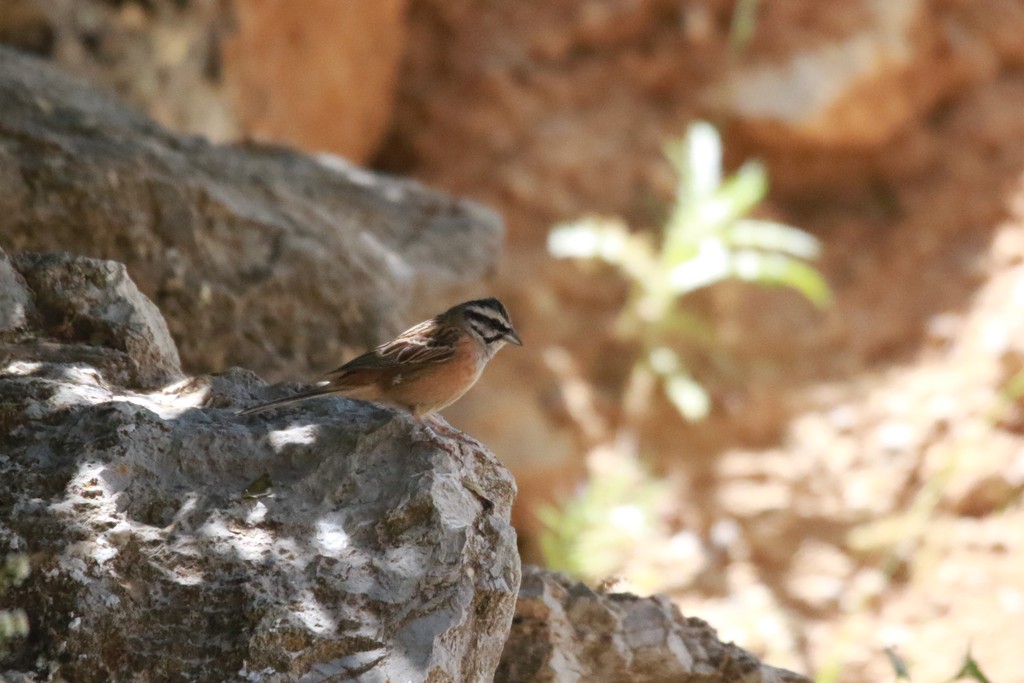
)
(287, 400)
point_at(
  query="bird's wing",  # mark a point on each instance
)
(424, 343)
(417, 346)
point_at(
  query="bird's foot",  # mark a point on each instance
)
(440, 433)
(431, 435)
(444, 427)
(441, 426)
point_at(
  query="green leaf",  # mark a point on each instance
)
(588, 238)
(605, 239)
(663, 361)
(682, 242)
(741, 30)
(970, 669)
(687, 324)
(697, 159)
(739, 195)
(688, 397)
(899, 666)
(694, 217)
(772, 236)
(781, 270)
(710, 263)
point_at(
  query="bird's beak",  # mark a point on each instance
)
(514, 338)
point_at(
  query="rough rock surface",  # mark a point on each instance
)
(375, 555)
(853, 91)
(78, 298)
(318, 74)
(14, 297)
(565, 631)
(869, 83)
(163, 57)
(258, 257)
(171, 538)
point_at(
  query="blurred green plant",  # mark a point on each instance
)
(1008, 410)
(619, 508)
(13, 622)
(707, 239)
(971, 669)
(898, 664)
(741, 29)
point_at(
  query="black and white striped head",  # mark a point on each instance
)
(488, 320)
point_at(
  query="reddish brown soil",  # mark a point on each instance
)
(865, 458)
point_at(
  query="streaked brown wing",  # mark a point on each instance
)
(419, 345)
(425, 343)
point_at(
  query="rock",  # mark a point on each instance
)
(565, 631)
(14, 297)
(366, 551)
(317, 75)
(850, 90)
(257, 256)
(172, 538)
(95, 303)
(161, 57)
(320, 75)
(862, 81)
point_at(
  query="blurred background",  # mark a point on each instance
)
(767, 258)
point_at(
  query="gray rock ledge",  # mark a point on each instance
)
(172, 539)
(376, 555)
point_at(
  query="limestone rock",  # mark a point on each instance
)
(257, 256)
(564, 631)
(851, 90)
(162, 57)
(171, 538)
(95, 302)
(872, 83)
(14, 297)
(318, 74)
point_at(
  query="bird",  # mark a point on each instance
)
(426, 368)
